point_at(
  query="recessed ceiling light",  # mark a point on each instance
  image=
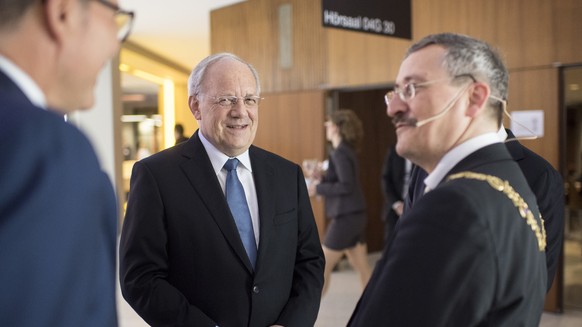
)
(133, 97)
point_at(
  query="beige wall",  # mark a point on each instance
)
(251, 30)
(290, 124)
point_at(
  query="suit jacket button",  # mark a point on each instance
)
(256, 289)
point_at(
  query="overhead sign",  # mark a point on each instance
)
(382, 17)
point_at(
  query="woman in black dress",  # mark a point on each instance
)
(344, 199)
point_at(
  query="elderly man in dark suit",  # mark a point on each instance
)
(470, 252)
(58, 217)
(546, 183)
(190, 255)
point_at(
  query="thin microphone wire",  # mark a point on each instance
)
(504, 105)
(443, 112)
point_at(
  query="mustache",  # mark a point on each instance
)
(402, 119)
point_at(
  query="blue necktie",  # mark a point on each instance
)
(235, 196)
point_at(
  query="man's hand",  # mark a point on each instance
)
(398, 207)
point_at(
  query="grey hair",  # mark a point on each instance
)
(198, 73)
(468, 56)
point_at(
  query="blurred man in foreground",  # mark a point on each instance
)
(58, 217)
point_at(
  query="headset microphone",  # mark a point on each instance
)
(435, 117)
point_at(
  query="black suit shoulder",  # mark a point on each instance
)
(548, 187)
(530, 162)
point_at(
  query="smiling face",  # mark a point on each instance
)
(425, 145)
(230, 129)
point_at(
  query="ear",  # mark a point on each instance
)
(194, 105)
(57, 17)
(478, 96)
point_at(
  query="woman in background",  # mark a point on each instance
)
(344, 199)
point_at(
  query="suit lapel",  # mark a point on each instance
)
(200, 173)
(264, 177)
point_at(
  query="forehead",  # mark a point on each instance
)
(423, 65)
(230, 74)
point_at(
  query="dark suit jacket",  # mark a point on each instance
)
(181, 139)
(462, 256)
(545, 182)
(182, 262)
(341, 183)
(392, 185)
(58, 221)
(548, 186)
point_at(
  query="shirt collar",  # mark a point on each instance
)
(28, 86)
(218, 159)
(502, 134)
(455, 155)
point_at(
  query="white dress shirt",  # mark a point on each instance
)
(28, 86)
(455, 155)
(245, 174)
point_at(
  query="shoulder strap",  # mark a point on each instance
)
(503, 186)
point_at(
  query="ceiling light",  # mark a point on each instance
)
(133, 97)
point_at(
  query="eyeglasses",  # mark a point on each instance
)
(408, 91)
(123, 19)
(226, 101)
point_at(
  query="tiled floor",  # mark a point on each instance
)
(338, 304)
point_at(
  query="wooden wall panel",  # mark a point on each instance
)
(290, 125)
(244, 31)
(251, 30)
(529, 33)
(524, 35)
(543, 94)
(356, 59)
(567, 24)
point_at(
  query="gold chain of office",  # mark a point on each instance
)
(524, 211)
